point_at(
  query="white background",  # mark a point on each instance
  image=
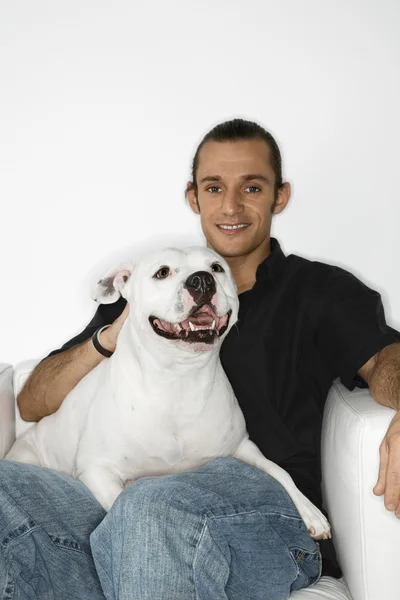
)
(102, 105)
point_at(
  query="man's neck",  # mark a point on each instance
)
(244, 268)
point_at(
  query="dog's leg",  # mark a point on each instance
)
(103, 482)
(315, 521)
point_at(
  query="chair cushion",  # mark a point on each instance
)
(327, 588)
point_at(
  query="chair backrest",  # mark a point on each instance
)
(7, 413)
(21, 374)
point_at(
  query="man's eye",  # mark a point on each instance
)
(162, 273)
(213, 189)
(253, 189)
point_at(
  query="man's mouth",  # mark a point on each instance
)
(202, 325)
(232, 229)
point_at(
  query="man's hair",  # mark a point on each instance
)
(237, 130)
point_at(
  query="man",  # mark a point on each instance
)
(226, 530)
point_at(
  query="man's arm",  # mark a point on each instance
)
(53, 378)
(382, 373)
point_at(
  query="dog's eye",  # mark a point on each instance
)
(162, 273)
(216, 267)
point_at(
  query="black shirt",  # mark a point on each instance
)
(302, 325)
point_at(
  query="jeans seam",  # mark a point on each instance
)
(14, 536)
(316, 554)
(234, 514)
(19, 533)
(202, 533)
(9, 587)
(293, 518)
(252, 512)
(196, 553)
(67, 545)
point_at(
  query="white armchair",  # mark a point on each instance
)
(7, 411)
(367, 537)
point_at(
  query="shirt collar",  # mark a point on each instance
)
(273, 264)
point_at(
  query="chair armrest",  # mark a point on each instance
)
(366, 535)
(7, 414)
(21, 374)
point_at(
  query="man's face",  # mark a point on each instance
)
(236, 184)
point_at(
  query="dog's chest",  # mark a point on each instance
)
(172, 441)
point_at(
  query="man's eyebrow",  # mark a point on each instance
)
(249, 177)
(257, 176)
(210, 178)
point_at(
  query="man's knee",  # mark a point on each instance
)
(23, 477)
(193, 493)
(225, 485)
(219, 486)
(157, 495)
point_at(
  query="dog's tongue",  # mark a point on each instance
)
(202, 319)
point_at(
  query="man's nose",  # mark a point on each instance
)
(201, 282)
(232, 203)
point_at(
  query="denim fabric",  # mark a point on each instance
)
(224, 531)
(45, 523)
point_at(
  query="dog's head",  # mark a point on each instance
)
(186, 297)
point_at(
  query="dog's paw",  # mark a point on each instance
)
(316, 522)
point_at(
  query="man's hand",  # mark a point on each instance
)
(389, 469)
(382, 373)
(108, 338)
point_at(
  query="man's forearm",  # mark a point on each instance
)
(53, 379)
(384, 379)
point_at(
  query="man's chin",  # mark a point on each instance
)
(229, 247)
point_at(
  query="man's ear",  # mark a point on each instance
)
(284, 193)
(192, 199)
(110, 287)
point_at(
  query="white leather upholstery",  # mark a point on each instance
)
(367, 537)
(7, 412)
(21, 374)
(327, 588)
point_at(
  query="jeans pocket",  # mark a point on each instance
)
(309, 566)
(43, 567)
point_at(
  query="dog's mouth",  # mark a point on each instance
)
(202, 325)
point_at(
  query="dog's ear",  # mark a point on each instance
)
(109, 288)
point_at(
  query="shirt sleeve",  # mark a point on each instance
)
(104, 315)
(352, 327)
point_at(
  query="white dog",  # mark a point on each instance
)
(162, 403)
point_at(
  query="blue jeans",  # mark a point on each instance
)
(224, 531)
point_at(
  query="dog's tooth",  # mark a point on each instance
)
(178, 328)
(192, 327)
(213, 325)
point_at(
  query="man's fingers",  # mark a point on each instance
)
(122, 317)
(109, 336)
(392, 490)
(380, 486)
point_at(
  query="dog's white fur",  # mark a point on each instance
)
(157, 406)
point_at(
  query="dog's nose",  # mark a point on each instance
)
(201, 282)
